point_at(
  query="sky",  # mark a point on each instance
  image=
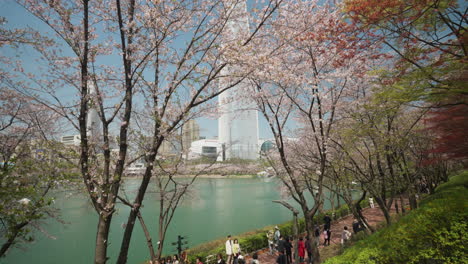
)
(17, 17)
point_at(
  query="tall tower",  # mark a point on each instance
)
(93, 122)
(238, 123)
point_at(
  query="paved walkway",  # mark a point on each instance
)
(374, 216)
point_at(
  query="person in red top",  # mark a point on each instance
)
(301, 249)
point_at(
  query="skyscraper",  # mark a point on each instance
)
(190, 133)
(238, 123)
(93, 122)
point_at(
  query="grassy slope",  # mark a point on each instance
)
(434, 233)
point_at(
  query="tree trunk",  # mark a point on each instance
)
(149, 241)
(396, 207)
(12, 238)
(412, 201)
(384, 209)
(338, 204)
(308, 218)
(102, 235)
(7, 245)
(356, 209)
(402, 203)
(127, 237)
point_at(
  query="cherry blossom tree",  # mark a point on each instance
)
(119, 59)
(308, 64)
(29, 168)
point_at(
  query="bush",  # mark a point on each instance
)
(433, 233)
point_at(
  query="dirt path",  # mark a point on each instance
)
(374, 216)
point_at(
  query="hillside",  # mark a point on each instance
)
(434, 233)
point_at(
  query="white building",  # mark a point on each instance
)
(210, 148)
(238, 123)
(71, 140)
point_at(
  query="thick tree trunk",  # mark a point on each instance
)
(102, 235)
(384, 209)
(356, 209)
(402, 204)
(310, 232)
(127, 237)
(412, 201)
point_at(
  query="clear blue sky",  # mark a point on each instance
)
(17, 17)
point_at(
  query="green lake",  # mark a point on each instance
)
(216, 208)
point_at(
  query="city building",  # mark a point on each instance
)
(213, 148)
(209, 148)
(71, 140)
(238, 121)
(190, 133)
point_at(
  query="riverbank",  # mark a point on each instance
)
(255, 240)
(205, 176)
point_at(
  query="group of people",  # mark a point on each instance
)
(233, 252)
(173, 259)
(282, 246)
(284, 250)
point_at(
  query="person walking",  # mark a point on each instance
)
(277, 235)
(326, 237)
(327, 221)
(271, 243)
(288, 249)
(281, 246)
(317, 235)
(301, 250)
(229, 250)
(357, 226)
(345, 235)
(308, 246)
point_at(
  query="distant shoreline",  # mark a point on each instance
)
(205, 176)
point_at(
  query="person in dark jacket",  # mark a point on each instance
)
(288, 249)
(317, 235)
(281, 244)
(308, 246)
(327, 221)
(281, 259)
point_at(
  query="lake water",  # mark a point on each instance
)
(216, 208)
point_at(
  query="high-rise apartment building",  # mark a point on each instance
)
(190, 133)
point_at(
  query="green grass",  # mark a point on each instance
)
(434, 233)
